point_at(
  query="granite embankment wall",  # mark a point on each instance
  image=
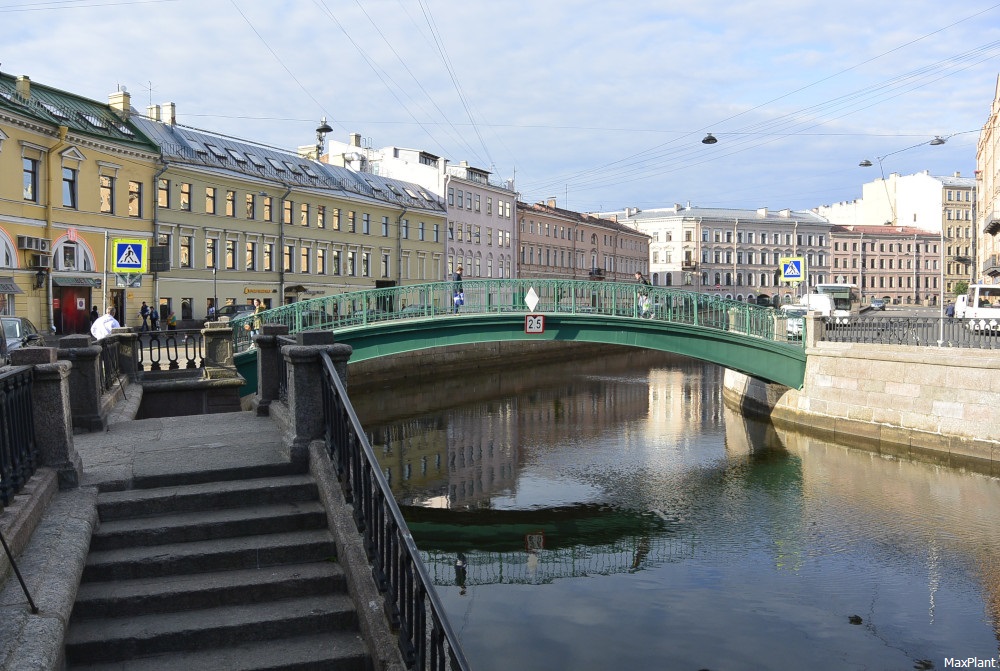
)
(924, 402)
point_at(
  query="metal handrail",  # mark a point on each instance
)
(167, 350)
(627, 300)
(913, 331)
(396, 565)
(19, 454)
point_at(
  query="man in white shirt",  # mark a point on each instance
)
(101, 328)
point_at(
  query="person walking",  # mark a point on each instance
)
(459, 294)
(258, 307)
(94, 314)
(644, 302)
(171, 321)
(102, 327)
(154, 320)
(144, 313)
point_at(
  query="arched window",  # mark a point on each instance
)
(718, 279)
(668, 279)
(729, 279)
(8, 257)
(68, 255)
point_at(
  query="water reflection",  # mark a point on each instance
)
(616, 513)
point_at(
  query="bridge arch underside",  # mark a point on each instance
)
(767, 360)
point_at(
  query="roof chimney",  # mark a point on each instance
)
(153, 112)
(170, 113)
(121, 102)
(354, 140)
(551, 202)
(958, 174)
(23, 86)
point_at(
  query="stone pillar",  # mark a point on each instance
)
(305, 375)
(84, 381)
(813, 323)
(128, 352)
(268, 365)
(218, 337)
(52, 413)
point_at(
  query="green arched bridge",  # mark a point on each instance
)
(381, 322)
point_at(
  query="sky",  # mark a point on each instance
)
(599, 105)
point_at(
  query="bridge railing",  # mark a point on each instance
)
(913, 331)
(425, 637)
(19, 455)
(438, 299)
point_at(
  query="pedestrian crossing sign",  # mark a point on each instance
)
(129, 256)
(791, 269)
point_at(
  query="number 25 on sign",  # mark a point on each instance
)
(534, 324)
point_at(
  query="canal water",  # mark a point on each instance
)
(614, 514)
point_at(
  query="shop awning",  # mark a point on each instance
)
(63, 281)
(9, 286)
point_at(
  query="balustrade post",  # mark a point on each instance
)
(128, 351)
(53, 416)
(85, 386)
(268, 365)
(218, 337)
(305, 383)
(813, 322)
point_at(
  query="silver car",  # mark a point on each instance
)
(18, 332)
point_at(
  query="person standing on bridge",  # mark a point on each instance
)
(459, 294)
(258, 307)
(644, 302)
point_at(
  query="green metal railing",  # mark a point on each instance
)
(627, 300)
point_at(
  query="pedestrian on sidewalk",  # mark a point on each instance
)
(94, 314)
(171, 321)
(144, 313)
(154, 320)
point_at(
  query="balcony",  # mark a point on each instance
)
(991, 224)
(991, 266)
(596, 274)
(689, 266)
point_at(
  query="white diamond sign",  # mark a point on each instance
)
(531, 299)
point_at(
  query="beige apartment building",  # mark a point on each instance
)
(987, 252)
(555, 243)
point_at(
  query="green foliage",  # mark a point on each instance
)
(961, 288)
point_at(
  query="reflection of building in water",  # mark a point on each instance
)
(685, 394)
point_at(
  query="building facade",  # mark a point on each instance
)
(75, 175)
(481, 235)
(732, 253)
(562, 244)
(898, 264)
(987, 252)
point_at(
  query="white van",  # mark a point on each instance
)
(824, 304)
(980, 307)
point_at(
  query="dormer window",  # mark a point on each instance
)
(237, 156)
(276, 164)
(216, 152)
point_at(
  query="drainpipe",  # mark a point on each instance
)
(156, 210)
(63, 132)
(281, 246)
(399, 247)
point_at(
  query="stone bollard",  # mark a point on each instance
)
(128, 351)
(305, 380)
(813, 323)
(218, 337)
(50, 400)
(268, 365)
(84, 381)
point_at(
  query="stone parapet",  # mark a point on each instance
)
(917, 401)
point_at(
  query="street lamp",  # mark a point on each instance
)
(321, 132)
(215, 289)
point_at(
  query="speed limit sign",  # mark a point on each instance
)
(534, 324)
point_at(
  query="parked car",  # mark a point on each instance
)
(234, 311)
(18, 332)
(877, 304)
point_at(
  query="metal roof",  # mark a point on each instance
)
(81, 115)
(720, 214)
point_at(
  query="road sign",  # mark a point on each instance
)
(791, 269)
(531, 298)
(128, 280)
(129, 256)
(534, 324)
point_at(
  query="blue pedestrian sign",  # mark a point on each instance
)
(129, 256)
(791, 269)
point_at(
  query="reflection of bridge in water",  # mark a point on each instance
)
(538, 546)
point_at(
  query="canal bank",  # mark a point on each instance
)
(938, 405)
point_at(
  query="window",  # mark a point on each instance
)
(304, 214)
(385, 227)
(366, 223)
(420, 231)
(335, 219)
(366, 264)
(351, 268)
(135, 199)
(477, 203)
(186, 197)
(251, 256)
(404, 229)
(287, 258)
(231, 254)
(211, 251)
(350, 221)
(107, 195)
(489, 205)
(251, 206)
(286, 212)
(437, 233)
(69, 187)
(451, 195)
(163, 193)
(230, 203)
(304, 260)
(385, 265)
(186, 243)
(321, 261)
(268, 256)
(268, 211)
(209, 200)
(321, 216)
(335, 262)
(30, 169)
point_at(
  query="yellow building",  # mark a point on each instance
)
(239, 220)
(86, 175)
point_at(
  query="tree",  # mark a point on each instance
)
(961, 288)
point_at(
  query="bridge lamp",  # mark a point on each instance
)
(709, 139)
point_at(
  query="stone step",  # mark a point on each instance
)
(183, 477)
(126, 638)
(204, 496)
(212, 555)
(122, 598)
(208, 525)
(332, 651)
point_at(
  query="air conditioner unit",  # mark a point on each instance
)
(27, 242)
(41, 260)
(44, 245)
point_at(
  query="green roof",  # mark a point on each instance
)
(81, 115)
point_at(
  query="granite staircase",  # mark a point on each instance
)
(229, 570)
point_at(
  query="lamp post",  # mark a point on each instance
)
(215, 288)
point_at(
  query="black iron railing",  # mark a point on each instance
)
(171, 350)
(913, 331)
(410, 598)
(18, 450)
(282, 369)
(110, 367)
